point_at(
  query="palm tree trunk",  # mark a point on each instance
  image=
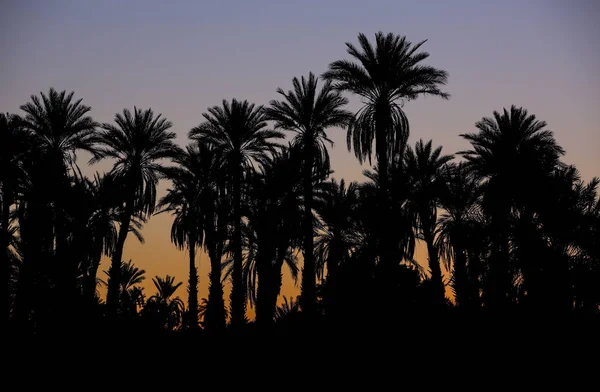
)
(275, 285)
(386, 255)
(65, 258)
(438, 295)
(215, 311)
(265, 283)
(332, 271)
(193, 287)
(499, 269)
(114, 282)
(215, 316)
(461, 280)
(308, 293)
(237, 297)
(89, 290)
(5, 240)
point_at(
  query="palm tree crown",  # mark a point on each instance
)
(309, 114)
(138, 143)
(59, 125)
(384, 74)
(237, 132)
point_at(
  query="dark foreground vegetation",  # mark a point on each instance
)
(510, 229)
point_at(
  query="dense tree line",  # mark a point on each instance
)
(507, 225)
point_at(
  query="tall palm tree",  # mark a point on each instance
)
(273, 230)
(59, 127)
(138, 143)
(184, 200)
(14, 146)
(215, 204)
(514, 155)
(309, 113)
(425, 167)
(385, 76)
(237, 132)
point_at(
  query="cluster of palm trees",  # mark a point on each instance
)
(506, 224)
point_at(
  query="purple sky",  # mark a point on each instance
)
(180, 57)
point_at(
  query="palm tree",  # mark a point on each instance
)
(309, 114)
(59, 127)
(101, 227)
(167, 309)
(425, 167)
(457, 226)
(565, 230)
(138, 143)
(272, 231)
(184, 201)
(288, 308)
(215, 204)
(385, 76)
(336, 206)
(513, 154)
(14, 146)
(237, 132)
(131, 277)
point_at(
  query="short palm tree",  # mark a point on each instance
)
(513, 154)
(384, 75)
(238, 133)
(425, 167)
(309, 113)
(131, 278)
(138, 143)
(163, 305)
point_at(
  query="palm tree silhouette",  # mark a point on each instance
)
(14, 147)
(457, 227)
(59, 127)
(288, 308)
(273, 229)
(384, 74)
(215, 206)
(237, 132)
(138, 143)
(309, 114)
(131, 293)
(163, 306)
(184, 200)
(425, 167)
(336, 206)
(513, 154)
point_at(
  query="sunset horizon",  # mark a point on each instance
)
(183, 60)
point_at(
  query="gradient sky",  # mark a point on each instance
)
(180, 57)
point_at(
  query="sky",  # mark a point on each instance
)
(180, 57)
